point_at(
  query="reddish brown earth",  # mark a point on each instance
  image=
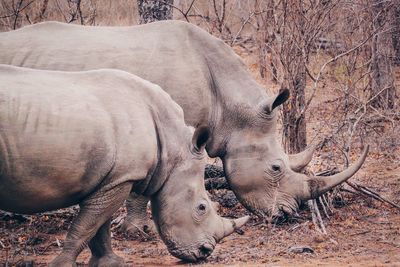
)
(363, 232)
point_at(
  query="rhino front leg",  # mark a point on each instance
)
(94, 213)
(100, 245)
(137, 220)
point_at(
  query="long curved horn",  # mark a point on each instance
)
(318, 185)
(299, 161)
(230, 225)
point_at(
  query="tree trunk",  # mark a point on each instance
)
(154, 10)
(295, 51)
(294, 124)
(396, 36)
(382, 54)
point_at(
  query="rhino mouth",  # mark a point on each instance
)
(277, 206)
(194, 253)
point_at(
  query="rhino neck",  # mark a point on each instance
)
(233, 93)
(169, 142)
(235, 98)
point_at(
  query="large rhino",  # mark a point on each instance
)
(211, 84)
(93, 137)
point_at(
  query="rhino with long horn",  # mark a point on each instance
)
(276, 188)
(200, 72)
(90, 138)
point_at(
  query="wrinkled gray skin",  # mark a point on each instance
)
(211, 84)
(90, 138)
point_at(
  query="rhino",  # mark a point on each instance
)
(90, 138)
(211, 84)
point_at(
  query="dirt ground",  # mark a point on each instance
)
(361, 231)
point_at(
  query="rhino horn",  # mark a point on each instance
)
(318, 185)
(230, 225)
(299, 161)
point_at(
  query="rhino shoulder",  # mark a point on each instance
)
(156, 95)
(147, 91)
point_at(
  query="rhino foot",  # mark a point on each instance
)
(135, 226)
(137, 220)
(62, 261)
(110, 260)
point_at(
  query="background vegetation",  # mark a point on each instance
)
(339, 59)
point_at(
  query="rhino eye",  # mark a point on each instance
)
(276, 168)
(201, 209)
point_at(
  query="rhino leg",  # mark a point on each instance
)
(94, 213)
(100, 245)
(137, 220)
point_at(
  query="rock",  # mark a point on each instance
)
(300, 249)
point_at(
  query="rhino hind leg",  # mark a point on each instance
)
(100, 246)
(137, 220)
(92, 224)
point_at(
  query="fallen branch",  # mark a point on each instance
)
(215, 178)
(213, 171)
(366, 191)
(324, 205)
(361, 233)
(360, 188)
(314, 209)
(216, 183)
(327, 172)
(316, 216)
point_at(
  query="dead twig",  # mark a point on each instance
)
(185, 14)
(322, 69)
(118, 221)
(361, 233)
(314, 209)
(323, 206)
(366, 191)
(316, 216)
(216, 183)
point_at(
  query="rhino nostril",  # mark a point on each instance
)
(206, 249)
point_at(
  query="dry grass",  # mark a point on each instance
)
(15, 14)
(227, 21)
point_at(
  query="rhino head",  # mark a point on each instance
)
(182, 211)
(263, 177)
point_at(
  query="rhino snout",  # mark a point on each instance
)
(193, 253)
(205, 251)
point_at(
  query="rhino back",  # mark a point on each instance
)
(60, 137)
(198, 70)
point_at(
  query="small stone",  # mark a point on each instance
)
(239, 231)
(319, 238)
(300, 249)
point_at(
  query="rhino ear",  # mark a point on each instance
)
(276, 100)
(200, 138)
